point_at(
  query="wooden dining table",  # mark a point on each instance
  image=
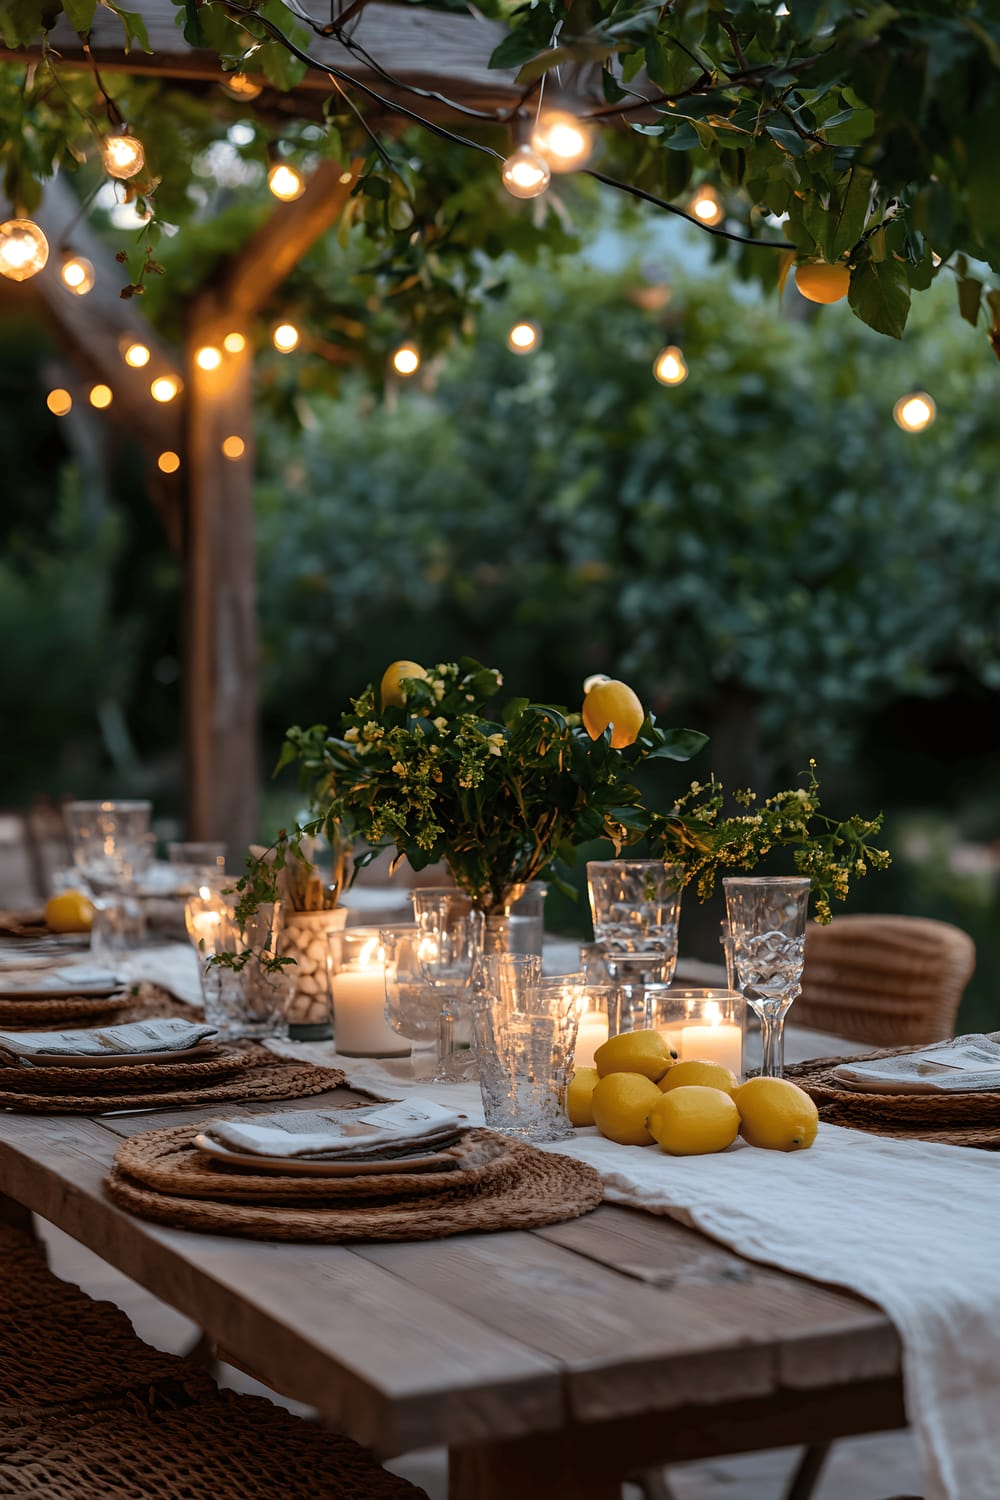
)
(553, 1362)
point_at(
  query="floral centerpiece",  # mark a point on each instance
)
(427, 766)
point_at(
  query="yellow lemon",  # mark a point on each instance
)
(621, 1104)
(70, 911)
(579, 1105)
(392, 688)
(820, 282)
(776, 1114)
(694, 1121)
(645, 1052)
(616, 704)
(709, 1074)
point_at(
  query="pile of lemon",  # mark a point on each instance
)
(639, 1093)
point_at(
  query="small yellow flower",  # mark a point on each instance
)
(440, 723)
(399, 768)
(351, 735)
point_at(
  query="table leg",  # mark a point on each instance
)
(528, 1469)
(16, 1215)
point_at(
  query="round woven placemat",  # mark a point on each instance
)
(971, 1119)
(41, 1012)
(540, 1188)
(123, 1077)
(168, 1161)
(274, 1078)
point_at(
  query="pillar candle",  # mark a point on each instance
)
(718, 1042)
(359, 1025)
(593, 1033)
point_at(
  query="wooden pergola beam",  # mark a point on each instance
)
(442, 53)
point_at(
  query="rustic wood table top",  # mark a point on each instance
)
(555, 1361)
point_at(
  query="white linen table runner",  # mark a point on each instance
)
(912, 1225)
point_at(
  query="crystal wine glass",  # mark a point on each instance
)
(767, 927)
(635, 904)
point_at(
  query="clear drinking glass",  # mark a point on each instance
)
(110, 840)
(198, 864)
(251, 1001)
(520, 926)
(636, 904)
(449, 954)
(119, 926)
(412, 1006)
(767, 926)
(526, 1031)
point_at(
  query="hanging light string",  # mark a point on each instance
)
(346, 81)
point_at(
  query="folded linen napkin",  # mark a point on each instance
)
(342, 1135)
(166, 1034)
(965, 1064)
(72, 978)
(911, 1225)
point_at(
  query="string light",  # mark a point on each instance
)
(59, 402)
(707, 206)
(241, 86)
(123, 155)
(285, 182)
(234, 343)
(669, 366)
(523, 337)
(525, 174)
(168, 462)
(564, 141)
(136, 355)
(914, 412)
(164, 388)
(406, 360)
(23, 249)
(285, 338)
(208, 357)
(101, 396)
(77, 274)
(233, 447)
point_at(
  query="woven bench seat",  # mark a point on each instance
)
(90, 1412)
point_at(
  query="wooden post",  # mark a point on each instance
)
(220, 605)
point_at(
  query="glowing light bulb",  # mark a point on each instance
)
(406, 360)
(136, 355)
(77, 274)
(233, 447)
(234, 343)
(241, 86)
(523, 337)
(101, 396)
(669, 366)
(23, 249)
(123, 155)
(564, 141)
(208, 357)
(164, 388)
(59, 402)
(914, 412)
(525, 174)
(285, 338)
(706, 206)
(168, 462)
(285, 182)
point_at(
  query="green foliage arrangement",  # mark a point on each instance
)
(854, 133)
(503, 798)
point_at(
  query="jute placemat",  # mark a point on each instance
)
(40, 1013)
(123, 1077)
(168, 1161)
(541, 1188)
(971, 1119)
(267, 1077)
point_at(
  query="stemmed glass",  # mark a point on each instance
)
(635, 904)
(449, 952)
(767, 928)
(412, 1006)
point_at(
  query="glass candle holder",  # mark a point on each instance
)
(250, 1001)
(699, 1025)
(357, 970)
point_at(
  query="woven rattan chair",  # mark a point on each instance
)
(90, 1412)
(891, 981)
